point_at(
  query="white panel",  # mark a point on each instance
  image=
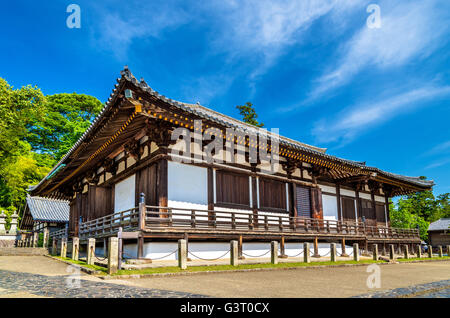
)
(328, 189)
(124, 196)
(348, 193)
(250, 190)
(380, 199)
(365, 196)
(329, 207)
(187, 183)
(166, 251)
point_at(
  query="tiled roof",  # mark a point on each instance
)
(440, 225)
(48, 210)
(227, 121)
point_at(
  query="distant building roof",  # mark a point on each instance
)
(48, 210)
(440, 225)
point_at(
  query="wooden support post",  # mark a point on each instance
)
(113, 255)
(90, 252)
(105, 248)
(375, 252)
(333, 252)
(234, 253)
(186, 238)
(430, 251)
(182, 254)
(440, 251)
(282, 248)
(140, 251)
(316, 247)
(391, 252)
(448, 250)
(240, 247)
(343, 254)
(46, 238)
(306, 253)
(406, 251)
(120, 247)
(384, 249)
(54, 246)
(35, 239)
(274, 252)
(356, 252)
(142, 212)
(64, 247)
(419, 251)
(75, 248)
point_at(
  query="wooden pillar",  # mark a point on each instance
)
(186, 238)
(419, 251)
(254, 199)
(282, 248)
(210, 189)
(45, 238)
(391, 252)
(339, 206)
(140, 250)
(333, 252)
(233, 253)
(240, 247)
(162, 183)
(375, 252)
(430, 251)
(316, 247)
(356, 252)
(344, 254)
(274, 252)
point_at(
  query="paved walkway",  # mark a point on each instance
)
(43, 277)
(39, 276)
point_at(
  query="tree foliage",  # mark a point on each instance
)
(419, 210)
(35, 132)
(249, 115)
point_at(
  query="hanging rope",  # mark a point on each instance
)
(209, 259)
(155, 259)
(256, 255)
(301, 252)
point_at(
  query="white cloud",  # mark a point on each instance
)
(118, 27)
(408, 30)
(438, 163)
(357, 119)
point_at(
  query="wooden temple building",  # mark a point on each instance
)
(121, 174)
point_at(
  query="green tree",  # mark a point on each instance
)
(249, 115)
(19, 109)
(66, 118)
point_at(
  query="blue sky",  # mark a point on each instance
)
(313, 69)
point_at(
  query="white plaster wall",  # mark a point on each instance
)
(329, 207)
(365, 196)
(348, 193)
(187, 183)
(328, 189)
(124, 194)
(211, 250)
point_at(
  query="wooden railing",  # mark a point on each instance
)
(154, 217)
(128, 220)
(58, 234)
(263, 222)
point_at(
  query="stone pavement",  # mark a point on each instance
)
(67, 287)
(38, 276)
(440, 289)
